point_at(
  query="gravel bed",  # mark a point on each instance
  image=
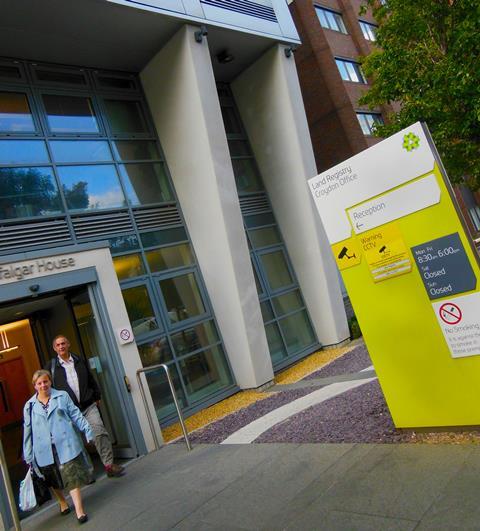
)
(357, 416)
(351, 362)
(218, 431)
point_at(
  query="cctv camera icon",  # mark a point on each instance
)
(343, 253)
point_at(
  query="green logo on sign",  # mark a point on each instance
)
(411, 142)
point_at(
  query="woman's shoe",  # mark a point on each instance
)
(82, 519)
(66, 511)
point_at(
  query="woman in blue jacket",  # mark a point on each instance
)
(52, 443)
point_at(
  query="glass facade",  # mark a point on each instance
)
(289, 332)
(77, 148)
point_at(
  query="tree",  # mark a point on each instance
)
(77, 195)
(428, 60)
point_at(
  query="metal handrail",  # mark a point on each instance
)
(8, 488)
(175, 400)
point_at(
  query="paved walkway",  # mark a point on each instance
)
(344, 487)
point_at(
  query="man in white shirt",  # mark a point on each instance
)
(71, 374)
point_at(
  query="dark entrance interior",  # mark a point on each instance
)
(27, 328)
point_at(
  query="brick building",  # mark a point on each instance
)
(334, 35)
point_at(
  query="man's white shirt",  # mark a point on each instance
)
(72, 377)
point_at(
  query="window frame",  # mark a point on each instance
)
(356, 66)
(337, 17)
(37, 122)
(367, 124)
(368, 29)
(69, 134)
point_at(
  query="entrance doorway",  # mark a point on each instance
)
(27, 328)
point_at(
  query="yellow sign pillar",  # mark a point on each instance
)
(411, 272)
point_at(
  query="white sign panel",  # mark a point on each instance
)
(125, 335)
(459, 319)
(396, 204)
(397, 160)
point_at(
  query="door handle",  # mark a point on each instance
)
(127, 383)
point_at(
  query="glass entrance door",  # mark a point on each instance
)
(93, 342)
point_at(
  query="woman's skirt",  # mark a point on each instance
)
(70, 475)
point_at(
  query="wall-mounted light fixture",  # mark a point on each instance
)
(4, 342)
(288, 51)
(224, 57)
(202, 32)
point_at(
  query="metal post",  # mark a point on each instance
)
(8, 488)
(147, 409)
(177, 405)
(175, 401)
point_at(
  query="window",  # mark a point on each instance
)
(70, 114)
(125, 117)
(350, 71)
(368, 30)
(15, 113)
(91, 187)
(146, 183)
(28, 192)
(23, 152)
(287, 325)
(140, 309)
(182, 297)
(330, 20)
(368, 120)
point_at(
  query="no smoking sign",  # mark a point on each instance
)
(450, 313)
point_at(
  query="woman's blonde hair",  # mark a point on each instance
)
(41, 372)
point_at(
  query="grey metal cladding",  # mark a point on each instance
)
(254, 204)
(46, 232)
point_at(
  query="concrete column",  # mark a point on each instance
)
(270, 103)
(180, 88)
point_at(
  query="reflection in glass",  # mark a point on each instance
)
(182, 297)
(15, 114)
(264, 237)
(287, 303)
(70, 114)
(297, 331)
(139, 309)
(136, 150)
(163, 237)
(170, 257)
(276, 269)
(205, 372)
(125, 117)
(194, 338)
(146, 183)
(23, 151)
(246, 175)
(80, 151)
(275, 343)
(124, 243)
(160, 391)
(26, 192)
(157, 351)
(128, 266)
(91, 187)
